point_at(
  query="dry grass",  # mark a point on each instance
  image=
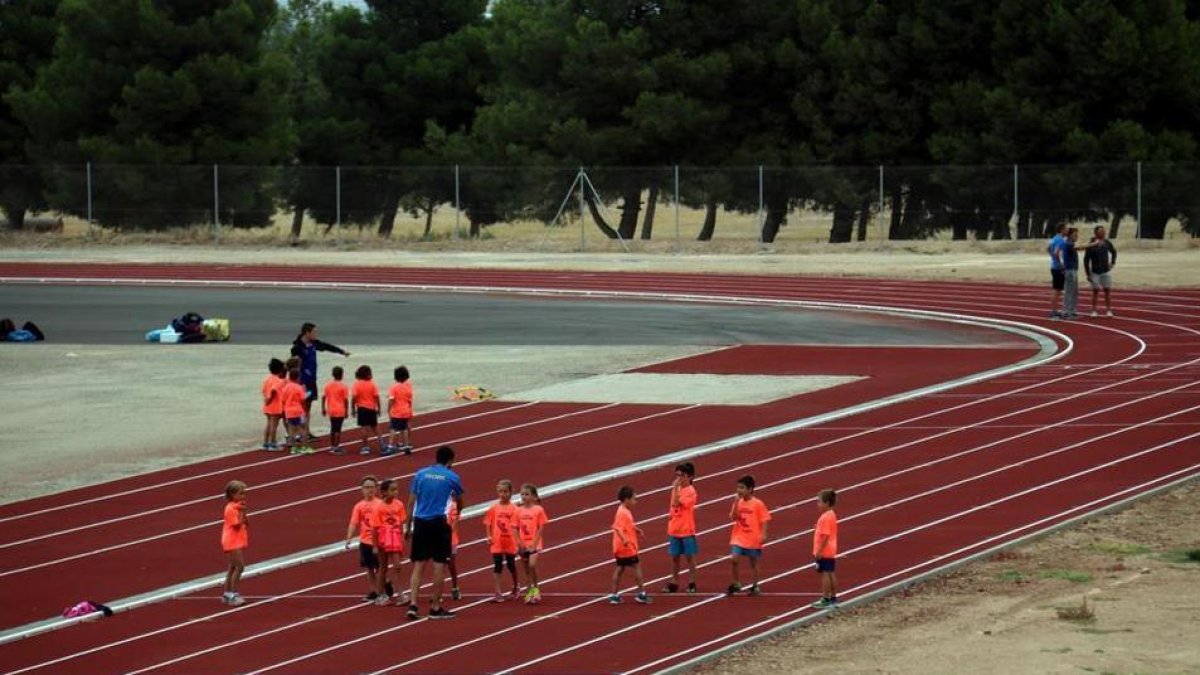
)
(1083, 613)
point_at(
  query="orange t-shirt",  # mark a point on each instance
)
(501, 522)
(389, 525)
(748, 518)
(529, 520)
(337, 397)
(366, 395)
(234, 533)
(272, 397)
(682, 521)
(623, 523)
(826, 526)
(452, 520)
(363, 517)
(400, 398)
(293, 400)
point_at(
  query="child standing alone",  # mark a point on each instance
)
(272, 407)
(235, 537)
(625, 547)
(335, 401)
(750, 516)
(825, 548)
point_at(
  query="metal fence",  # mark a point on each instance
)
(577, 207)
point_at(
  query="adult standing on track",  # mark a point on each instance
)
(1058, 279)
(1098, 263)
(305, 347)
(429, 497)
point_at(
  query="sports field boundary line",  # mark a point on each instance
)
(910, 582)
(1049, 350)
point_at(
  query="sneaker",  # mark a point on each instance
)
(370, 597)
(387, 588)
(498, 598)
(614, 599)
(307, 450)
(455, 594)
(337, 450)
(235, 600)
(225, 598)
(407, 449)
(754, 590)
(533, 597)
(671, 587)
(643, 598)
(691, 589)
(413, 613)
(1055, 315)
(733, 588)
(516, 592)
(382, 600)
(1108, 313)
(365, 450)
(272, 447)
(1095, 314)
(824, 603)
(387, 452)
(441, 613)
(294, 450)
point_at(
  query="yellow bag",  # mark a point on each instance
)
(216, 330)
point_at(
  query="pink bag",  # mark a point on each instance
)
(82, 609)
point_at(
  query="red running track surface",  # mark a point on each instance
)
(924, 483)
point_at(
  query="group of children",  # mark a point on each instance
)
(286, 400)
(516, 532)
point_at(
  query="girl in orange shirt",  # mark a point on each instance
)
(452, 564)
(531, 526)
(272, 406)
(364, 396)
(500, 528)
(390, 516)
(234, 539)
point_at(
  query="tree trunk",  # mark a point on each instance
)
(429, 208)
(16, 216)
(631, 206)
(1000, 229)
(297, 222)
(864, 219)
(710, 220)
(651, 207)
(1155, 225)
(1114, 225)
(958, 226)
(897, 195)
(776, 218)
(474, 228)
(603, 226)
(843, 224)
(388, 222)
(909, 217)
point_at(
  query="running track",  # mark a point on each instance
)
(926, 483)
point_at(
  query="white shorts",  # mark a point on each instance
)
(1100, 280)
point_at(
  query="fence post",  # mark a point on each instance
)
(1137, 232)
(1017, 201)
(457, 204)
(337, 200)
(582, 210)
(89, 197)
(762, 218)
(216, 206)
(879, 217)
(678, 241)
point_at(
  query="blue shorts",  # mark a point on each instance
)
(748, 552)
(399, 423)
(826, 564)
(677, 546)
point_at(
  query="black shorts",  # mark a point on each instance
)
(1058, 279)
(367, 417)
(366, 557)
(335, 424)
(431, 540)
(310, 391)
(500, 560)
(399, 423)
(826, 564)
(627, 562)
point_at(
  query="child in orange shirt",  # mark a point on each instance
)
(390, 516)
(681, 527)
(293, 412)
(335, 401)
(365, 398)
(400, 410)
(750, 517)
(272, 406)
(235, 536)
(825, 548)
(531, 526)
(500, 528)
(362, 523)
(452, 563)
(625, 546)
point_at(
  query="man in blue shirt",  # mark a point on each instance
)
(432, 490)
(1058, 277)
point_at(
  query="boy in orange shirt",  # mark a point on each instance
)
(750, 517)
(364, 395)
(362, 523)
(235, 536)
(272, 406)
(390, 516)
(293, 412)
(400, 409)
(500, 528)
(825, 548)
(625, 546)
(335, 401)
(452, 564)
(681, 528)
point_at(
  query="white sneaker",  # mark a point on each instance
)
(235, 600)
(1109, 313)
(1094, 314)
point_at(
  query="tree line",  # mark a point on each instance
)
(537, 84)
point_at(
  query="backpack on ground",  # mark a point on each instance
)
(38, 335)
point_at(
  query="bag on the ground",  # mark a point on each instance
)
(85, 608)
(20, 336)
(6, 326)
(32, 328)
(188, 324)
(216, 330)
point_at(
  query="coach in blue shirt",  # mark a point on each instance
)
(428, 498)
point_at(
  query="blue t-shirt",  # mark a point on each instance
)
(433, 487)
(1070, 256)
(1057, 251)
